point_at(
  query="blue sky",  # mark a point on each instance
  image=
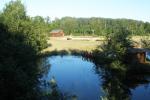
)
(130, 9)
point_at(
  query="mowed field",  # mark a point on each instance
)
(85, 44)
(80, 43)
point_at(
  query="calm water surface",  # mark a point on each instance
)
(76, 76)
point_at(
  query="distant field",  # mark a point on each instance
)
(74, 44)
(85, 43)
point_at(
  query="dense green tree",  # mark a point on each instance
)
(116, 44)
(114, 49)
(21, 40)
(147, 27)
(33, 29)
(13, 14)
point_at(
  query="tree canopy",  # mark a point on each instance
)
(99, 26)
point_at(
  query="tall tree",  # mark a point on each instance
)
(13, 14)
(21, 40)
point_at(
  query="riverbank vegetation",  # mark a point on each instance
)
(21, 40)
(114, 49)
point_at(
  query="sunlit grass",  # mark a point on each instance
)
(63, 44)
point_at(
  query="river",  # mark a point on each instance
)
(82, 79)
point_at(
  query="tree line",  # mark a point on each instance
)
(99, 26)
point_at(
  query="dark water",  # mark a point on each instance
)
(77, 76)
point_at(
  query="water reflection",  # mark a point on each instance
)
(123, 85)
(78, 78)
(75, 77)
(114, 87)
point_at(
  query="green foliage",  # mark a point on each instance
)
(113, 51)
(35, 33)
(21, 40)
(116, 44)
(33, 30)
(146, 42)
(14, 13)
(99, 26)
(117, 65)
(18, 67)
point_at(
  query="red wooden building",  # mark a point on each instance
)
(57, 33)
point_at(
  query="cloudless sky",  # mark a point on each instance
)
(130, 9)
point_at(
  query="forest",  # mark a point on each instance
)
(99, 26)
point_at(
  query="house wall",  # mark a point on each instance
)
(60, 34)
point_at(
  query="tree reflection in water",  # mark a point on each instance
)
(117, 84)
(52, 92)
(49, 88)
